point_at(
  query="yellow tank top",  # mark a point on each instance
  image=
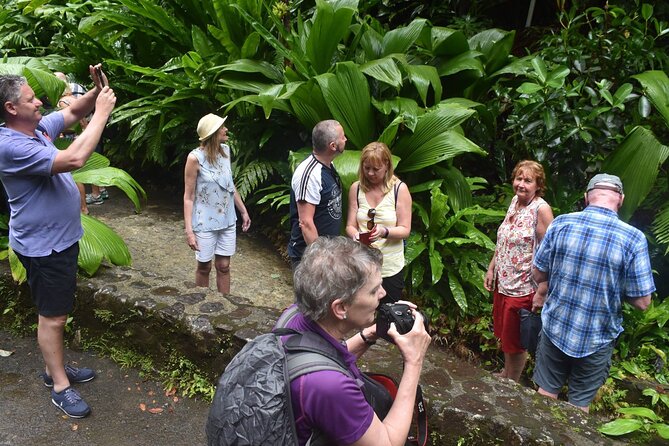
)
(392, 249)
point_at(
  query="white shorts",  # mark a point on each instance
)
(222, 243)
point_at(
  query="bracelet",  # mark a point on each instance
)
(364, 338)
(387, 232)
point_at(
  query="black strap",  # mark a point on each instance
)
(397, 191)
(421, 420)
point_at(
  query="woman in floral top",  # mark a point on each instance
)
(210, 198)
(509, 274)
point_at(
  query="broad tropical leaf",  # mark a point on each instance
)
(435, 140)
(331, 22)
(99, 242)
(636, 161)
(656, 88)
(346, 92)
(111, 176)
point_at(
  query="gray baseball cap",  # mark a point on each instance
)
(605, 181)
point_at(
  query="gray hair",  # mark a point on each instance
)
(10, 89)
(332, 268)
(323, 134)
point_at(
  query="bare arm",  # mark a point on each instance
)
(403, 211)
(357, 346)
(544, 219)
(239, 204)
(352, 215)
(80, 150)
(489, 281)
(541, 278)
(190, 177)
(393, 430)
(305, 212)
(83, 106)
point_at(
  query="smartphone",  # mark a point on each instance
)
(98, 71)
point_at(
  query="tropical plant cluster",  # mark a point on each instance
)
(456, 100)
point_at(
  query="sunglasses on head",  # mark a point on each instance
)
(371, 214)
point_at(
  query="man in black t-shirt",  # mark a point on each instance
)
(316, 191)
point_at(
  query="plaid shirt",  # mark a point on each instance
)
(593, 261)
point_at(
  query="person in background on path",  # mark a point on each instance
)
(379, 209)
(315, 193)
(67, 98)
(210, 198)
(338, 288)
(45, 222)
(72, 92)
(509, 274)
(587, 264)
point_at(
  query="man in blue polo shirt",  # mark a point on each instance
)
(45, 223)
(590, 261)
(315, 194)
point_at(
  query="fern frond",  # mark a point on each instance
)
(661, 228)
(252, 175)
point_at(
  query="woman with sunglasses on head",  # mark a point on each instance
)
(379, 214)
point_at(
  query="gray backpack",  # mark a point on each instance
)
(252, 404)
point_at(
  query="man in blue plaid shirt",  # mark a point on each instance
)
(587, 263)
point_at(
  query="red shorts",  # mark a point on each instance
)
(506, 320)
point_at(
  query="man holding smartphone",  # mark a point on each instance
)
(45, 223)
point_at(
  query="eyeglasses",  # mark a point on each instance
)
(371, 214)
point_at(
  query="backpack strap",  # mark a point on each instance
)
(308, 352)
(286, 317)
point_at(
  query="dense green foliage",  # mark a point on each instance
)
(457, 100)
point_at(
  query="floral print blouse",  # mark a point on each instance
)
(214, 204)
(516, 238)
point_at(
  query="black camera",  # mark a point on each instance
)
(397, 313)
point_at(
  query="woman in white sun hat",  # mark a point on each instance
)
(210, 198)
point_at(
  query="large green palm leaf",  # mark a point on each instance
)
(39, 77)
(346, 92)
(637, 162)
(330, 24)
(99, 242)
(638, 158)
(436, 138)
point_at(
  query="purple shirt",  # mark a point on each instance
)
(329, 401)
(44, 208)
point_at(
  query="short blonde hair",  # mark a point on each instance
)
(378, 154)
(536, 170)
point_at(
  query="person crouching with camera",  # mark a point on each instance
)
(337, 290)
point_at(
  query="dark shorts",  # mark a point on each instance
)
(393, 286)
(53, 280)
(506, 320)
(584, 376)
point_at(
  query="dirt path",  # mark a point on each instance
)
(157, 245)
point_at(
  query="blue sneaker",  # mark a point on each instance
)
(104, 194)
(70, 402)
(74, 374)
